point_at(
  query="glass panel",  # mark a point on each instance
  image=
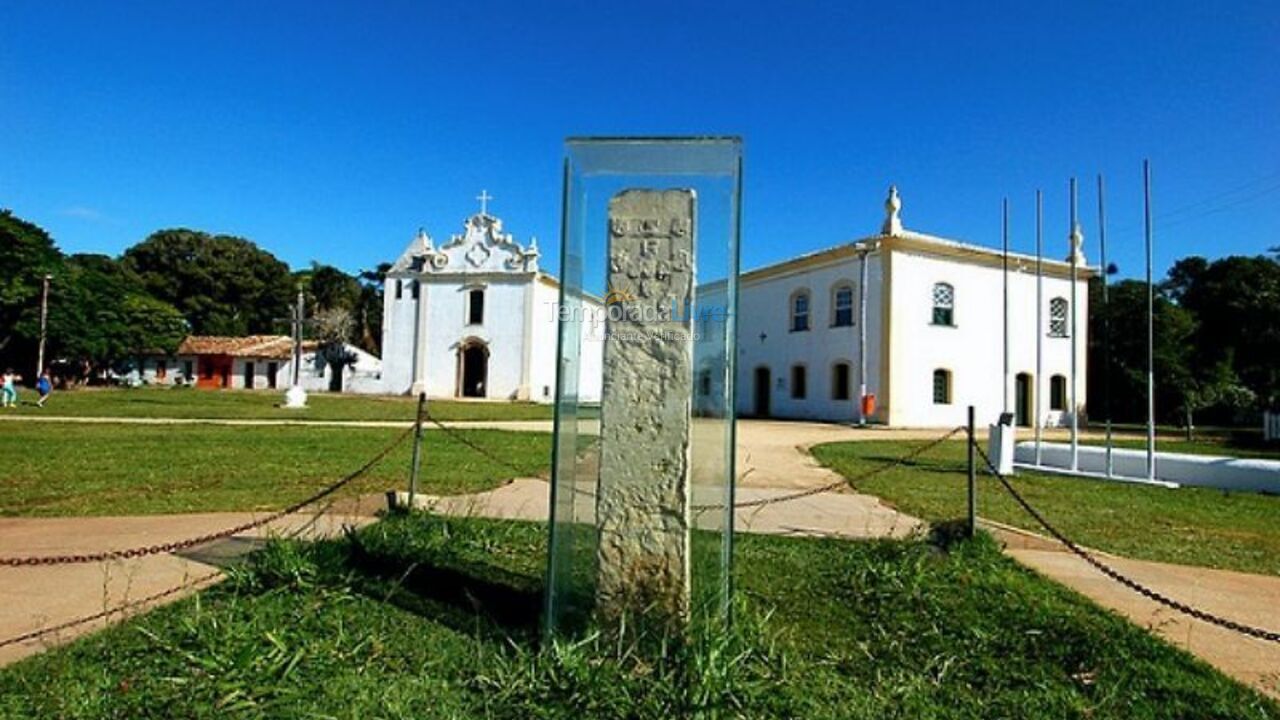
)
(596, 171)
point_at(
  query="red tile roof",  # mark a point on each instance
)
(252, 346)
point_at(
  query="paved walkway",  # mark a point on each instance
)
(38, 597)
(773, 461)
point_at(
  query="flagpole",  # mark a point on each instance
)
(1106, 325)
(1075, 404)
(1039, 318)
(1005, 265)
(1151, 376)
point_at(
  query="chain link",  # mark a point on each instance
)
(461, 437)
(34, 634)
(851, 483)
(1105, 569)
(169, 547)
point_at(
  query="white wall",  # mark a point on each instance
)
(764, 308)
(973, 349)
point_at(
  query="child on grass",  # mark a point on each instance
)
(9, 389)
(44, 387)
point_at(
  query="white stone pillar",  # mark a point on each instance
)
(642, 506)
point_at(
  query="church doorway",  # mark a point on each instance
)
(762, 391)
(473, 370)
(1022, 400)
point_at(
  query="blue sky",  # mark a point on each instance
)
(332, 132)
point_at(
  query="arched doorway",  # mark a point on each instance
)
(473, 369)
(1022, 400)
(762, 391)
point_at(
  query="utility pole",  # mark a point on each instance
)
(44, 325)
(1004, 264)
(1151, 330)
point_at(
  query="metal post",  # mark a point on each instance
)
(1005, 273)
(1039, 320)
(862, 337)
(1075, 403)
(1151, 332)
(415, 467)
(1106, 326)
(973, 479)
(44, 325)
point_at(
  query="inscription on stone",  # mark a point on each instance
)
(642, 505)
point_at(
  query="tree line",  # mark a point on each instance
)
(1216, 344)
(105, 312)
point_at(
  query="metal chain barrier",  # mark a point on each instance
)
(460, 436)
(1119, 577)
(851, 483)
(169, 547)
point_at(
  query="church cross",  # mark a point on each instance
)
(484, 197)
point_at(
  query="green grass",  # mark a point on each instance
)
(418, 617)
(52, 469)
(1192, 526)
(156, 402)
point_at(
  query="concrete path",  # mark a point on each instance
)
(1250, 599)
(38, 597)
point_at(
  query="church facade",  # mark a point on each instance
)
(900, 328)
(474, 317)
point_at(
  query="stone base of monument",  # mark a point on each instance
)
(295, 397)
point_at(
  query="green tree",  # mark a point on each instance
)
(1236, 301)
(368, 312)
(27, 254)
(223, 285)
(100, 315)
(1127, 313)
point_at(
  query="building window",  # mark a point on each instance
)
(273, 372)
(840, 381)
(799, 382)
(800, 311)
(399, 289)
(1057, 393)
(475, 307)
(842, 306)
(941, 387)
(416, 288)
(1058, 317)
(704, 383)
(944, 304)
(188, 370)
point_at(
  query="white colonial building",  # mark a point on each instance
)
(475, 318)
(915, 320)
(905, 326)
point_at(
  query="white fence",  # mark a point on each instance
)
(1271, 426)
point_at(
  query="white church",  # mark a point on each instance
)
(899, 328)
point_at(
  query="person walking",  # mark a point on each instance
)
(9, 389)
(43, 386)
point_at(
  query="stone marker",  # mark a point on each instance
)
(642, 506)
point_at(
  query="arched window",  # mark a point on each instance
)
(1057, 393)
(842, 305)
(799, 382)
(840, 381)
(941, 387)
(1058, 317)
(475, 307)
(944, 304)
(800, 311)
